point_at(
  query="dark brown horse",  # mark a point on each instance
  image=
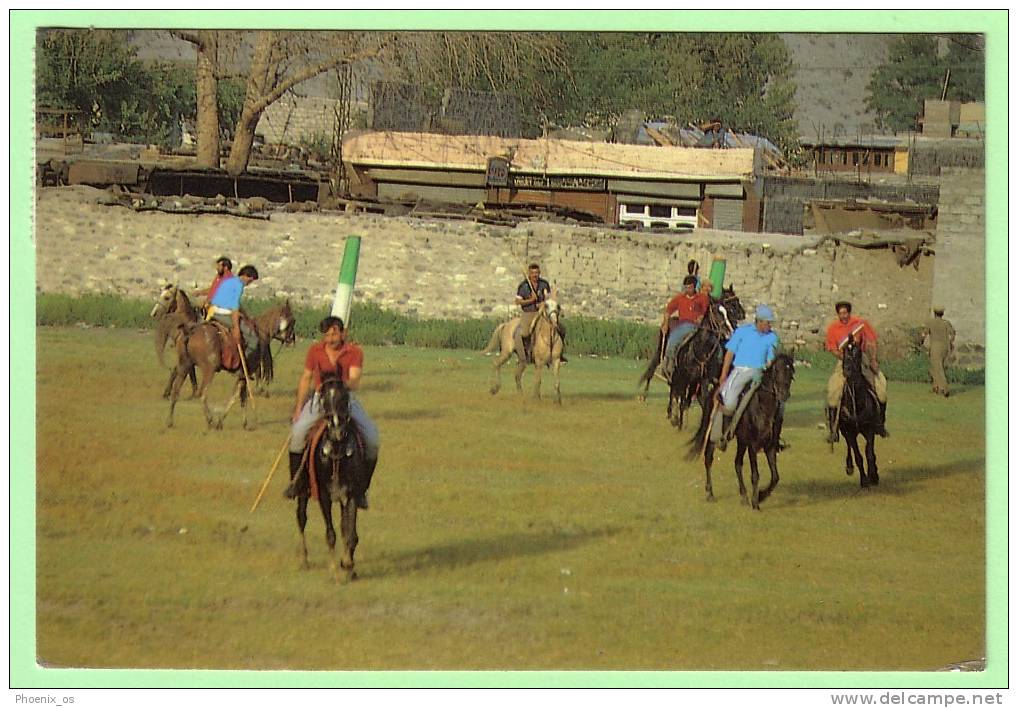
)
(202, 345)
(338, 472)
(263, 373)
(172, 310)
(698, 363)
(758, 430)
(859, 414)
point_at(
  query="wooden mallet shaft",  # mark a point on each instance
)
(265, 484)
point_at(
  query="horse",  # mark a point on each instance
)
(546, 349)
(858, 414)
(337, 470)
(268, 330)
(172, 310)
(201, 345)
(758, 430)
(698, 361)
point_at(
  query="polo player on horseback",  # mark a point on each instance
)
(331, 355)
(682, 316)
(225, 308)
(838, 332)
(224, 271)
(750, 350)
(529, 295)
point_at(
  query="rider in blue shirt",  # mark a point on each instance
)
(749, 351)
(225, 305)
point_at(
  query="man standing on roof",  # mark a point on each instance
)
(838, 332)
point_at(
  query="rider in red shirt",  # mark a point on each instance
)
(332, 354)
(682, 316)
(838, 332)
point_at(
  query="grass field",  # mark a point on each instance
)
(503, 534)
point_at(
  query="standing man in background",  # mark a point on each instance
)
(941, 334)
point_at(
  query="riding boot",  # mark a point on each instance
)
(882, 431)
(362, 500)
(832, 428)
(526, 349)
(298, 481)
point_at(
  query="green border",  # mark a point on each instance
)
(23, 671)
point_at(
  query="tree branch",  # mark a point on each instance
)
(187, 36)
(311, 72)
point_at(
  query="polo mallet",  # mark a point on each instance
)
(265, 484)
(247, 377)
(710, 424)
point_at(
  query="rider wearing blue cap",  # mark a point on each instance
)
(749, 351)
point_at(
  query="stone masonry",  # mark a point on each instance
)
(454, 269)
(959, 279)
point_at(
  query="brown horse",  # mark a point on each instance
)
(266, 324)
(172, 310)
(546, 346)
(202, 345)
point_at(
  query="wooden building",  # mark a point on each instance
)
(858, 154)
(654, 187)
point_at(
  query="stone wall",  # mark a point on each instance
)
(294, 117)
(458, 269)
(784, 197)
(959, 280)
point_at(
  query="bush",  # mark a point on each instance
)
(372, 325)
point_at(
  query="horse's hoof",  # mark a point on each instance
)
(848, 471)
(710, 497)
(641, 398)
(745, 500)
(493, 390)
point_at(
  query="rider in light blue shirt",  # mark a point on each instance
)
(225, 307)
(749, 351)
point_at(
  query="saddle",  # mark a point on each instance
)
(229, 354)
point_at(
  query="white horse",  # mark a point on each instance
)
(546, 348)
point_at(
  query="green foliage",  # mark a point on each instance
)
(97, 72)
(915, 71)
(743, 79)
(92, 310)
(374, 326)
(94, 71)
(230, 99)
(318, 145)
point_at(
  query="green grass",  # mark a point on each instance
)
(377, 326)
(504, 533)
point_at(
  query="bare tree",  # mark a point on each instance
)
(281, 60)
(206, 74)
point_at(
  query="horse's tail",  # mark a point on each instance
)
(695, 444)
(495, 343)
(265, 368)
(654, 361)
